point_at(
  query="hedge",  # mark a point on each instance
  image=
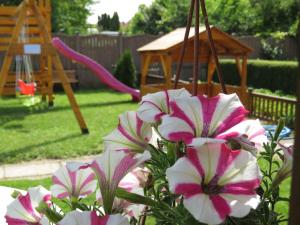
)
(273, 75)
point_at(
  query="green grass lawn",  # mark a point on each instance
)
(53, 133)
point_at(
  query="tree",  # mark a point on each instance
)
(276, 15)
(233, 16)
(104, 22)
(70, 16)
(147, 20)
(115, 22)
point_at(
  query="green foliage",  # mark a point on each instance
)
(240, 17)
(105, 22)
(273, 75)
(147, 20)
(233, 16)
(10, 2)
(271, 51)
(115, 22)
(69, 16)
(125, 70)
(275, 15)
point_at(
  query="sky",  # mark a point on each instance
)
(125, 8)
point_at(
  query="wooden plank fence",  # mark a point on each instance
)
(272, 108)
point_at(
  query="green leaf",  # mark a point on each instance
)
(279, 128)
(135, 198)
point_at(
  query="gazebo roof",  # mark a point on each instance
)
(175, 38)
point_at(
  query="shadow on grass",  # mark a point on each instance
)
(13, 113)
(17, 153)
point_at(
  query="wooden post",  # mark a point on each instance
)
(166, 63)
(50, 82)
(145, 62)
(295, 190)
(244, 81)
(60, 70)
(211, 67)
(238, 66)
(8, 56)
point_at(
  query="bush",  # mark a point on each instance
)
(273, 75)
(125, 70)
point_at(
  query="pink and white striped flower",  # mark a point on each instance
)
(76, 184)
(248, 135)
(91, 218)
(201, 117)
(111, 167)
(22, 211)
(133, 182)
(287, 165)
(216, 182)
(132, 134)
(154, 106)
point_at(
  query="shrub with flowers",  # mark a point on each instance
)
(180, 159)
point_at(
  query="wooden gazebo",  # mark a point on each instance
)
(166, 51)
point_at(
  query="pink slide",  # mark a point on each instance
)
(103, 74)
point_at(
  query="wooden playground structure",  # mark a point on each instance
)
(166, 51)
(36, 16)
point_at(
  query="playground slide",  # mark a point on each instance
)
(104, 75)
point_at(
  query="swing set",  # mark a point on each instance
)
(25, 35)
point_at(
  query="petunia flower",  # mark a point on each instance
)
(73, 184)
(132, 134)
(201, 117)
(110, 169)
(133, 182)
(248, 135)
(22, 210)
(91, 218)
(287, 165)
(154, 106)
(216, 182)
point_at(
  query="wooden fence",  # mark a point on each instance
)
(271, 108)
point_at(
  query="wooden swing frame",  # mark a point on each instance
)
(48, 54)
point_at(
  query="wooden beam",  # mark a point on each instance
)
(210, 69)
(18, 49)
(294, 215)
(166, 63)
(8, 58)
(61, 74)
(145, 63)
(10, 30)
(244, 73)
(238, 66)
(8, 10)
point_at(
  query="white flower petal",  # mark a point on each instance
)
(183, 172)
(154, 105)
(73, 183)
(243, 168)
(241, 204)
(202, 209)
(132, 134)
